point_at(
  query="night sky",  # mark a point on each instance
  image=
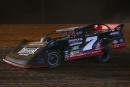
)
(20, 11)
(64, 11)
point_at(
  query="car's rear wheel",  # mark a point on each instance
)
(54, 58)
(105, 56)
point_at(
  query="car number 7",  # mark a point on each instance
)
(91, 41)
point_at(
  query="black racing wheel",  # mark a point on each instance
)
(53, 58)
(105, 56)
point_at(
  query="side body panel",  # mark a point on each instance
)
(79, 47)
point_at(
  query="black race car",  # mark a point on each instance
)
(71, 43)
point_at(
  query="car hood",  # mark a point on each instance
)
(27, 50)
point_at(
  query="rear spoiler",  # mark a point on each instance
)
(103, 27)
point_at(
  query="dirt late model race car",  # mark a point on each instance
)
(71, 43)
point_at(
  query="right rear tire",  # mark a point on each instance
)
(105, 56)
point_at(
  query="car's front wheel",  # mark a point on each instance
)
(54, 58)
(105, 56)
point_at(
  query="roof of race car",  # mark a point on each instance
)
(69, 29)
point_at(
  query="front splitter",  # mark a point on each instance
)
(23, 66)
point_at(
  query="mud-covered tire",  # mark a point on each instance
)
(105, 56)
(53, 58)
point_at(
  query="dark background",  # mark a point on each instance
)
(64, 11)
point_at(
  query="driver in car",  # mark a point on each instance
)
(79, 33)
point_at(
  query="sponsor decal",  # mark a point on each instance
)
(66, 53)
(81, 54)
(119, 45)
(105, 38)
(98, 47)
(28, 51)
(115, 33)
(75, 47)
(118, 28)
(77, 53)
(76, 41)
(71, 54)
(115, 41)
(121, 40)
(94, 52)
(74, 53)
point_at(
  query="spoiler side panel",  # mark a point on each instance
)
(120, 41)
(114, 35)
(104, 27)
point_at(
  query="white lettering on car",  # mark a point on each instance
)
(114, 33)
(73, 42)
(28, 50)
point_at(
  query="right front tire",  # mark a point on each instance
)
(53, 58)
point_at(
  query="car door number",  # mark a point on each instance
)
(91, 41)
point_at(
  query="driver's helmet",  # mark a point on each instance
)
(79, 32)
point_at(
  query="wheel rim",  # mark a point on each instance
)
(53, 59)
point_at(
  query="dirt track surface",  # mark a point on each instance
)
(76, 73)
